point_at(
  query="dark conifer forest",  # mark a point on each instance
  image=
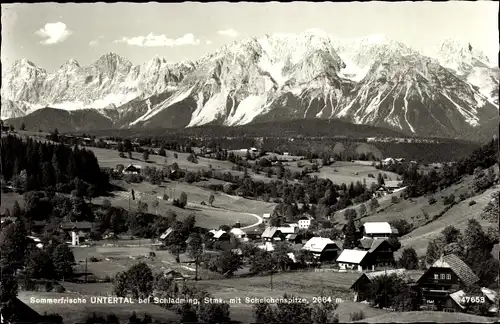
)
(34, 165)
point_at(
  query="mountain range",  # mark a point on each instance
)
(452, 92)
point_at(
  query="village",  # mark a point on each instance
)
(258, 232)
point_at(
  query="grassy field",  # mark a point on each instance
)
(72, 313)
(110, 158)
(226, 209)
(347, 172)
(300, 284)
(114, 258)
(457, 216)
(411, 210)
(429, 317)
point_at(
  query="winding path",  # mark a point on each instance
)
(260, 220)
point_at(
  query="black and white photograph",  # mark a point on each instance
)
(301, 162)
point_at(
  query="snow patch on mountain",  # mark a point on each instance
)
(213, 109)
(113, 100)
(251, 107)
(182, 95)
(470, 118)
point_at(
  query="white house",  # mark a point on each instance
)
(376, 229)
(266, 217)
(239, 233)
(305, 221)
(352, 260)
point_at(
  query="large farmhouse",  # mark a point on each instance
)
(380, 251)
(322, 248)
(273, 234)
(442, 279)
(353, 260)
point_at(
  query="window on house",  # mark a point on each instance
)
(436, 276)
(443, 276)
(448, 276)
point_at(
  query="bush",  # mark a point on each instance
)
(93, 259)
(432, 200)
(449, 199)
(472, 203)
(356, 316)
(394, 199)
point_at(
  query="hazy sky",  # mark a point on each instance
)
(49, 34)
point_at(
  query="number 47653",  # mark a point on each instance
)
(474, 300)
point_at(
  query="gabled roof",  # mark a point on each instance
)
(318, 244)
(217, 234)
(490, 294)
(266, 215)
(133, 167)
(372, 275)
(306, 217)
(352, 256)
(376, 243)
(460, 268)
(270, 232)
(366, 243)
(377, 228)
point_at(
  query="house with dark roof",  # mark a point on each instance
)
(443, 278)
(362, 285)
(272, 234)
(77, 230)
(254, 233)
(132, 169)
(324, 249)
(294, 238)
(455, 302)
(380, 251)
